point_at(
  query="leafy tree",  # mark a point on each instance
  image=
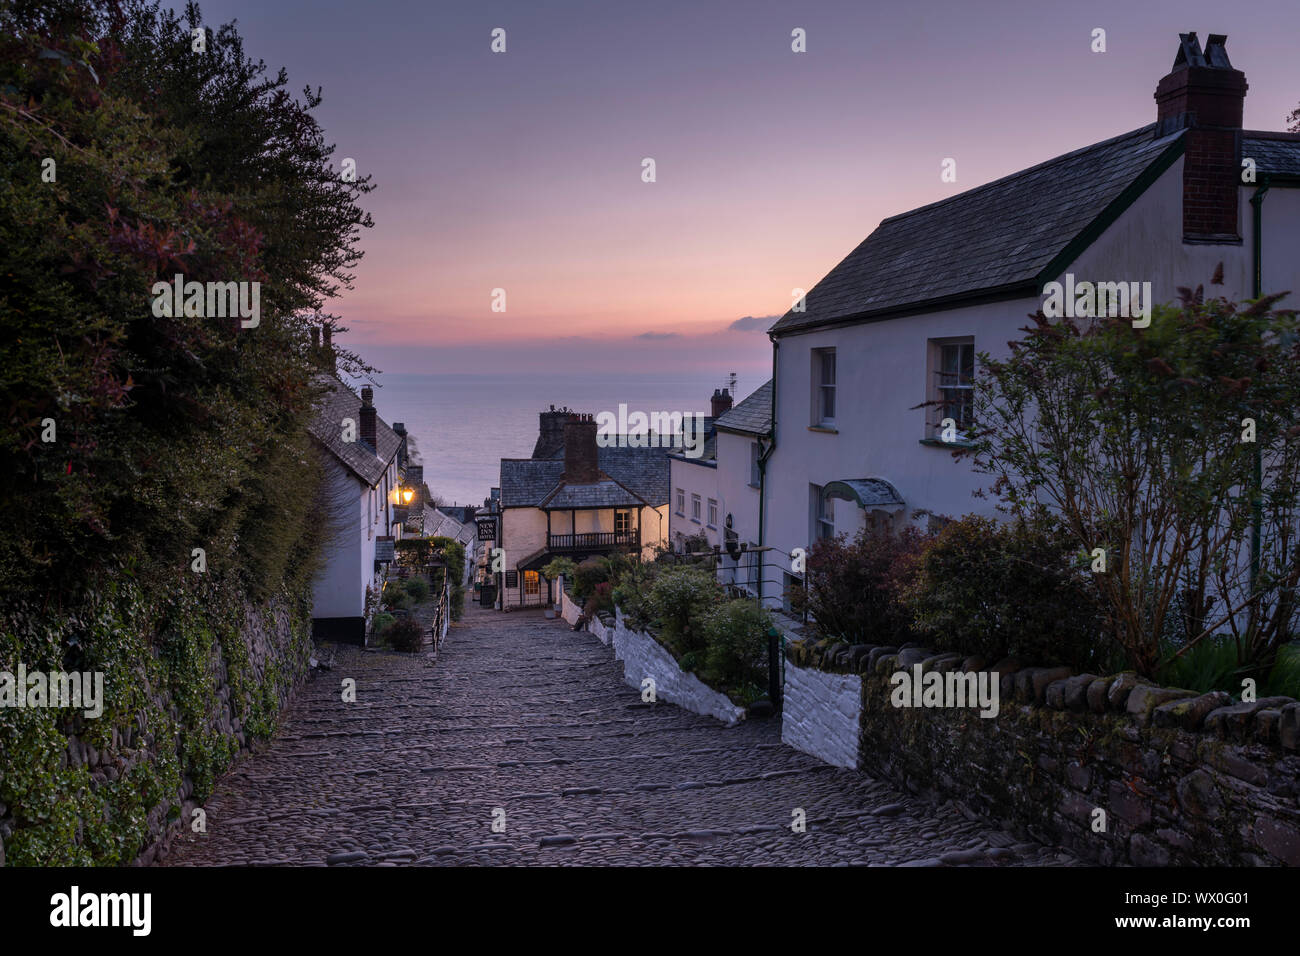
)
(171, 432)
(1135, 438)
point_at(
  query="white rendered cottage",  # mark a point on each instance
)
(900, 320)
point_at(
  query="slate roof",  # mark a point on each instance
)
(1277, 154)
(438, 524)
(340, 402)
(642, 471)
(999, 235)
(753, 416)
(603, 494)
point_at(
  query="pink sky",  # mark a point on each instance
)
(522, 170)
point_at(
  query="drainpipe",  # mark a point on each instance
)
(1257, 513)
(763, 457)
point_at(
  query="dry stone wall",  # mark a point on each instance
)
(1181, 778)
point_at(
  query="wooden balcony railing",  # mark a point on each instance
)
(594, 541)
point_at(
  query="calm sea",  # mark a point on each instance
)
(465, 424)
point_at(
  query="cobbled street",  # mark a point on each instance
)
(520, 714)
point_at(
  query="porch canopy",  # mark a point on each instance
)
(869, 494)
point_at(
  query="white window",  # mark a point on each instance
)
(681, 502)
(622, 522)
(823, 377)
(953, 389)
(755, 476)
(695, 508)
(823, 514)
(713, 513)
(532, 583)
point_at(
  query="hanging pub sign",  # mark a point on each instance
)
(487, 528)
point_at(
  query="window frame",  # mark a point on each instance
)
(696, 509)
(940, 393)
(822, 390)
(713, 513)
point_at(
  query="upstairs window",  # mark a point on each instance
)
(695, 508)
(681, 502)
(823, 514)
(622, 522)
(954, 384)
(823, 377)
(713, 513)
(755, 475)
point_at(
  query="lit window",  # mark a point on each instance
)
(532, 583)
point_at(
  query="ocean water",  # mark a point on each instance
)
(465, 424)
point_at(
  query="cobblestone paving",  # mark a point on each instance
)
(520, 713)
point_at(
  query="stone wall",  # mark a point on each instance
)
(1182, 778)
(130, 779)
(643, 657)
(821, 714)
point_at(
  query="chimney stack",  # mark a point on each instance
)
(581, 459)
(550, 433)
(720, 402)
(1204, 95)
(368, 428)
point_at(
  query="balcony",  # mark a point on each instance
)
(595, 541)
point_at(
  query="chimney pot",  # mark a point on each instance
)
(720, 403)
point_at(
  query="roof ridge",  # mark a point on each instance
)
(1029, 169)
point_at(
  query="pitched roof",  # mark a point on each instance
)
(753, 416)
(996, 237)
(1277, 154)
(439, 524)
(601, 494)
(337, 403)
(525, 482)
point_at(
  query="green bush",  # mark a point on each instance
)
(395, 597)
(587, 575)
(854, 588)
(559, 567)
(736, 637)
(632, 592)
(417, 588)
(405, 634)
(994, 589)
(378, 624)
(678, 599)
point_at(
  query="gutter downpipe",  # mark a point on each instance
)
(762, 475)
(1257, 514)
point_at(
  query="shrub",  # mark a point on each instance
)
(378, 624)
(678, 599)
(587, 575)
(631, 594)
(417, 588)
(395, 597)
(736, 637)
(854, 588)
(405, 634)
(995, 589)
(559, 567)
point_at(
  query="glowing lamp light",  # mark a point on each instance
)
(407, 495)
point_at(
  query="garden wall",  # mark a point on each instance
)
(178, 709)
(1182, 778)
(820, 714)
(643, 657)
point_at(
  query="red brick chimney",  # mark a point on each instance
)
(1205, 95)
(720, 402)
(581, 462)
(368, 418)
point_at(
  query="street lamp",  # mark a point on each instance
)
(407, 495)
